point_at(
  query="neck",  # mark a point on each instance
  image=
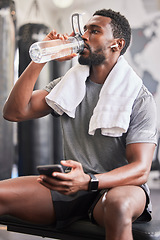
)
(99, 73)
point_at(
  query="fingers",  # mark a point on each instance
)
(66, 183)
(69, 57)
(54, 35)
(71, 163)
(48, 182)
(72, 34)
(76, 169)
(51, 36)
(60, 176)
(55, 184)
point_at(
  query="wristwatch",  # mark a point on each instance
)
(93, 184)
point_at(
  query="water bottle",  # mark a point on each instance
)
(45, 51)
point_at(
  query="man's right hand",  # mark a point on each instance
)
(53, 35)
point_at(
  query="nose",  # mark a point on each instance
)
(85, 35)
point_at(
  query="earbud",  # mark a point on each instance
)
(116, 45)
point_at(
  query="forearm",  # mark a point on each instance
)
(19, 99)
(131, 174)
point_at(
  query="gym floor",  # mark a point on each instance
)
(153, 182)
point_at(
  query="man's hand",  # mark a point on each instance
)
(53, 35)
(67, 183)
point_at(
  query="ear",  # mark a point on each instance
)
(118, 45)
(121, 43)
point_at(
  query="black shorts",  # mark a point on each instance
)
(78, 206)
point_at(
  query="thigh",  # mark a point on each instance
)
(27, 199)
(131, 197)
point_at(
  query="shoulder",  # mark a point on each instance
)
(143, 99)
(144, 93)
(52, 84)
(143, 119)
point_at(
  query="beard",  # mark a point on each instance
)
(94, 58)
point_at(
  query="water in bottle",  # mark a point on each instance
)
(45, 51)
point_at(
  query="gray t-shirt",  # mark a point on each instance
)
(99, 153)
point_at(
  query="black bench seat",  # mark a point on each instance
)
(79, 230)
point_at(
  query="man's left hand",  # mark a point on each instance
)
(67, 183)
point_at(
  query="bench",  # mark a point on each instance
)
(79, 230)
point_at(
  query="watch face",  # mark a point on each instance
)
(93, 184)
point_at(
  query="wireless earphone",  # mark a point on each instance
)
(116, 45)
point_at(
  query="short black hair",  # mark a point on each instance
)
(119, 24)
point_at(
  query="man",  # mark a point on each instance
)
(117, 193)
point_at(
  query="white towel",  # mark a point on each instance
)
(69, 92)
(114, 107)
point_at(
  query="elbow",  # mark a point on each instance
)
(14, 113)
(11, 115)
(143, 180)
(7, 113)
(143, 176)
(10, 118)
(7, 116)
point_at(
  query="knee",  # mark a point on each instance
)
(116, 209)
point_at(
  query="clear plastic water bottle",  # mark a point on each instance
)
(45, 51)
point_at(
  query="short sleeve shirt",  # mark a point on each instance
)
(99, 153)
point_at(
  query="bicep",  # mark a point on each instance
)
(143, 124)
(141, 137)
(141, 153)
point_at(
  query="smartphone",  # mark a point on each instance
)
(49, 169)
